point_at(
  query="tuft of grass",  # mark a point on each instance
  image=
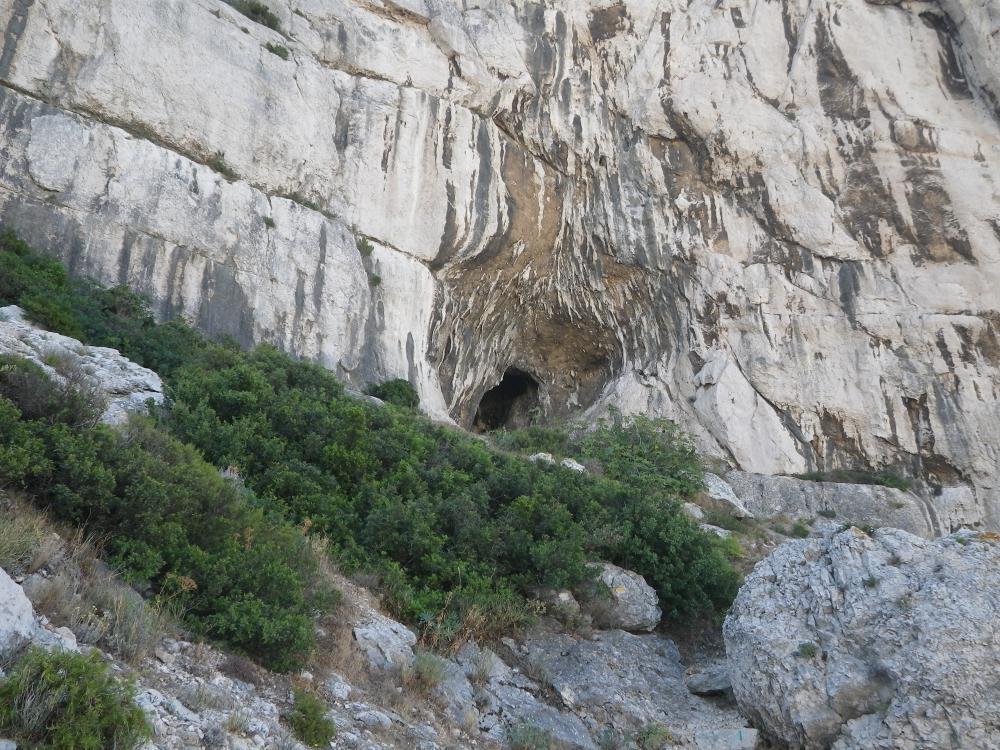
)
(525, 736)
(309, 722)
(806, 650)
(365, 247)
(21, 535)
(653, 737)
(269, 222)
(827, 513)
(217, 162)
(871, 582)
(277, 49)
(374, 280)
(426, 672)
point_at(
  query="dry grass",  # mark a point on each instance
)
(79, 592)
(21, 538)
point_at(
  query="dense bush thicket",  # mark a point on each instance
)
(455, 529)
(243, 575)
(64, 701)
(397, 392)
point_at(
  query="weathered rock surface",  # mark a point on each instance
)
(622, 682)
(859, 504)
(17, 618)
(774, 222)
(387, 644)
(621, 599)
(857, 642)
(126, 385)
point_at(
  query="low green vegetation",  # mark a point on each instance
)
(528, 737)
(242, 573)
(884, 478)
(397, 392)
(309, 722)
(277, 49)
(64, 701)
(455, 530)
(257, 12)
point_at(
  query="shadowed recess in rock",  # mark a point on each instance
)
(508, 404)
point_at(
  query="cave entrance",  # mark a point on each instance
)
(510, 404)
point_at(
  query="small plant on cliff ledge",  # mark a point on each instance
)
(528, 737)
(277, 49)
(309, 722)
(806, 650)
(257, 12)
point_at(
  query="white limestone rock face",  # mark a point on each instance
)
(857, 642)
(775, 222)
(126, 385)
(17, 618)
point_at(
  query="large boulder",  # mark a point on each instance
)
(17, 618)
(856, 642)
(621, 599)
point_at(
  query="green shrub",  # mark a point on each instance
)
(800, 530)
(457, 532)
(534, 439)
(75, 401)
(277, 49)
(64, 701)
(257, 12)
(309, 722)
(397, 392)
(806, 650)
(242, 575)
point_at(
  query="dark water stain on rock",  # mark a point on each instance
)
(951, 67)
(606, 23)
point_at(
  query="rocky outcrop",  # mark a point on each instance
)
(856, 642)
(858, 504)
(620, 683)
(17, 618)
(125, 385)
(773, 222)
(621, 599)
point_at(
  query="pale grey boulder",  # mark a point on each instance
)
(620, 599)
(855, 642)
(17, 618)
(721, 495)
(385, 643)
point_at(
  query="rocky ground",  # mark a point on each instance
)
(582, 687)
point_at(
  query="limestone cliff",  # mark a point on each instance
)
(777, 222)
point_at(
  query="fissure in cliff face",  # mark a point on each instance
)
(776, 222)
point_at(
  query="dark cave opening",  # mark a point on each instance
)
(510, 404)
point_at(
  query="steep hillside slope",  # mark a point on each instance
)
(776, 222)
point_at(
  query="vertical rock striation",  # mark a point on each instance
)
(776, 222)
